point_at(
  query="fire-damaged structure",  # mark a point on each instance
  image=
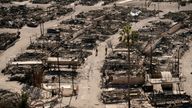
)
(141, 69)
(115, 78)
(154, 66)
(52, 61)
(164, 80)
(16, 16)
(8, 40)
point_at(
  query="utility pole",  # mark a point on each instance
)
(41, 25)
(178, 60)
(178, 69)
(158, 9)
(59, 75)
(30, 40)
(176, 65)
(128, 72)
(40, 28)
(151, 60)
(73, 91)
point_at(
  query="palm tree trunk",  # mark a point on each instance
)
(128, 72)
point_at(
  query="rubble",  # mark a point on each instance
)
(7, 40)
(177, 17)
(163, 67)
(164, 100)
(108, 1)
(89, 2)
(160, 65)
(8, 99)
(16, 16)
(5, 1)
(118, 96)
(40, 1)
(147, 71)
(66, 2)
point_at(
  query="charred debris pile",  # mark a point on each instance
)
(30, 97)
(67, 2)
(180, 2)
(8, 39)
(154, 74)
(61, 2)
(9, 99)
(163, 52)
(115, 78)
(93, 2)
(122, 80)
(51, 62)
(16, 16)
(9, 1)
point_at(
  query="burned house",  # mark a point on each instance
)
(7, 40)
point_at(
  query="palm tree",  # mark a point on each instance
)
(24, 100)
(128, 37)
